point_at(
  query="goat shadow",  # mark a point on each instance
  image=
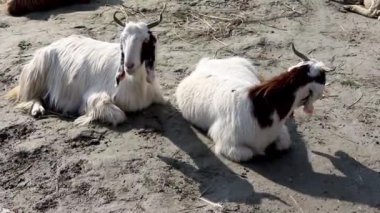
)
(359, 185)
(216, 182)
(93, 5)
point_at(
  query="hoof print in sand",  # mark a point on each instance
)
(16, 132)
(86, 138)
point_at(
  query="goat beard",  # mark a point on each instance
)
(150, 75)
(119, 77)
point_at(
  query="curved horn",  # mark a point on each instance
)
(155, 23)
(118, 20)
(301, 55)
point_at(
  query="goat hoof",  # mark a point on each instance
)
(37, 111)
(121, 119)
(283, 142)
(239, 154)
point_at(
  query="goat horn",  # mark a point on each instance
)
(301, 55)
(118, 20)
(155, 23)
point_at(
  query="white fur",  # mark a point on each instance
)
(214, 97)
(78, 74)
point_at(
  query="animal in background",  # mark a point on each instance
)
(368, 8)
(22, 7)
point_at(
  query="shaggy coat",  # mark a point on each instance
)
(22, 7)
(95, 79)
(242, 114)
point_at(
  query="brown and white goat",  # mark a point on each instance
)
(242, 114)
(22, 7)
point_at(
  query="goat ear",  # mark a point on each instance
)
(121, 72)
(148, 56)
(120, 75)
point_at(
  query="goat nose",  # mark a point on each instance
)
(130, 65)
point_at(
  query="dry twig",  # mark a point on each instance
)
(341, 136)
(361, 96)
(211, 203)
(205, 190)
(294, 200)
(18, 175)
(329, 96)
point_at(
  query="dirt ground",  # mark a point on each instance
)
(157, 162)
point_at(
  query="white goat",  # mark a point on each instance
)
(243, 115)
(77, 75)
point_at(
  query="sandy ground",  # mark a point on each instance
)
(157, 162)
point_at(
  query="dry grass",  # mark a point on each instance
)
(224, 20)
(193, 21)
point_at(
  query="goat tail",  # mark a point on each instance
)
(32, 81)
(14, 94)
